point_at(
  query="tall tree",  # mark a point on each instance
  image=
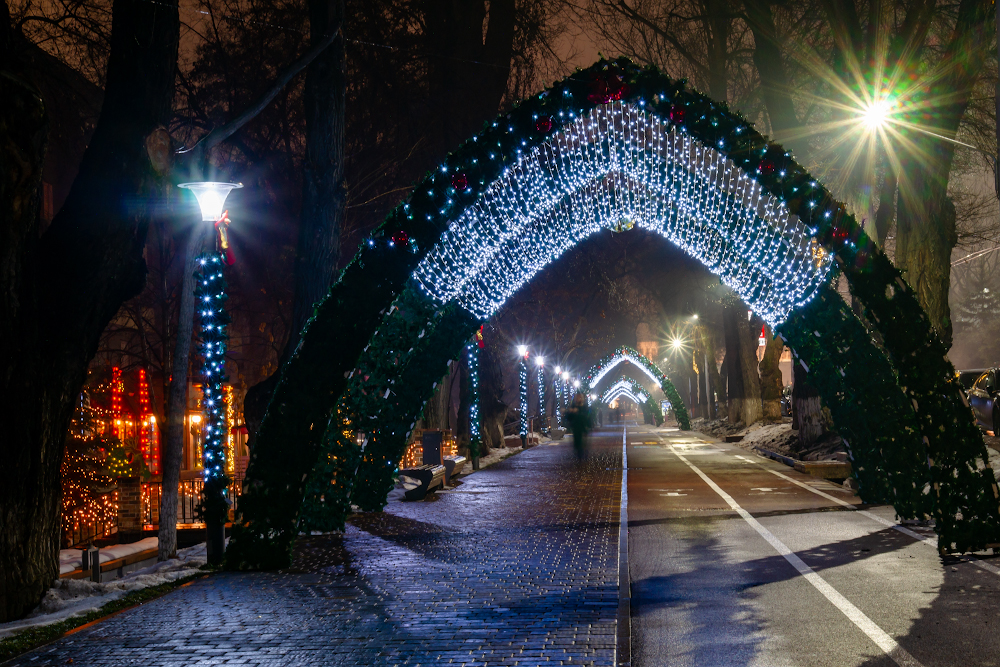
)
(324, 191)
(63, 289)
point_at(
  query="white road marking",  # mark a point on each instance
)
(881, 638)
(928, 540)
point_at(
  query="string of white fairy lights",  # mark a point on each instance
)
(621, 356)
(616, 167)
(625, 387)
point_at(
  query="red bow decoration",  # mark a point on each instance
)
(607, 88)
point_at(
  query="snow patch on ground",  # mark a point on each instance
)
(76, 597)
(778, 438)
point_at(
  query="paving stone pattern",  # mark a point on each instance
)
(515, 566)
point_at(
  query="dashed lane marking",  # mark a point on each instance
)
(881, 638)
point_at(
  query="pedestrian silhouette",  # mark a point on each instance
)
(578, 417)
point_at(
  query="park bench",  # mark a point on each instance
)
(453, 465)
(421, 480)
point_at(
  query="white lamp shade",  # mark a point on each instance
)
(211, 197)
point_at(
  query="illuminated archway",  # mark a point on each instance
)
(625, 387)
(614, 146)
(625, 354)
(629, 388)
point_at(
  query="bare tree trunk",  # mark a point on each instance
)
(741, 357)
(925, 237)
(85, 266)
(751, 411)
(734, 373)
(770, 378)
(886, 206)
(718, 384)
(807, 411)
(324, 192)
(492, 409)
(173, 446)
(775, 88)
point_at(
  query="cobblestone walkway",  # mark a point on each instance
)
(515, 566)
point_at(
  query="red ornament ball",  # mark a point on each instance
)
(766, 167)
(677, 115)
(401, 238)
(544, 124)
(460, 182)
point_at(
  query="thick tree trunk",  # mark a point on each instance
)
(492, 409)
(173, 445)
(87, 264)
(469, 68)
(770, 378)
(925, 237)
(775, 88)
(886, 211)
(734, 373)
(718, 384)
(741, 356)
(324, 192)
(31, 450)
(807, 411)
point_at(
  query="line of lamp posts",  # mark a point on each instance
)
(561, 386)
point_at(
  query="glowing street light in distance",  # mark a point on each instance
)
(522, 350)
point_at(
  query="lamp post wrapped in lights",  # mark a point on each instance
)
(522, 372)
(543, 423)
(557, 396)
(210, 297)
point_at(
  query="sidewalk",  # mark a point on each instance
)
(517, 565)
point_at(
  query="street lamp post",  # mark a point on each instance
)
(557, 394)
(210, 296)
(543, 423)
(522, 371)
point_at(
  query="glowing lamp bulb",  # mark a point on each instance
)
(677, 343)
(522, 350)
(539, 361)
(558, 370)
(565, 377)
(211, 197)
(576, 384)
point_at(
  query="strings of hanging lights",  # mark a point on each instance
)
(617, 167)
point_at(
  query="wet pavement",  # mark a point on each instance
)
(733, 560)
(517, 565)
(799, 574)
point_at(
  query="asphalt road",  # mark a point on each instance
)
(738, 560)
